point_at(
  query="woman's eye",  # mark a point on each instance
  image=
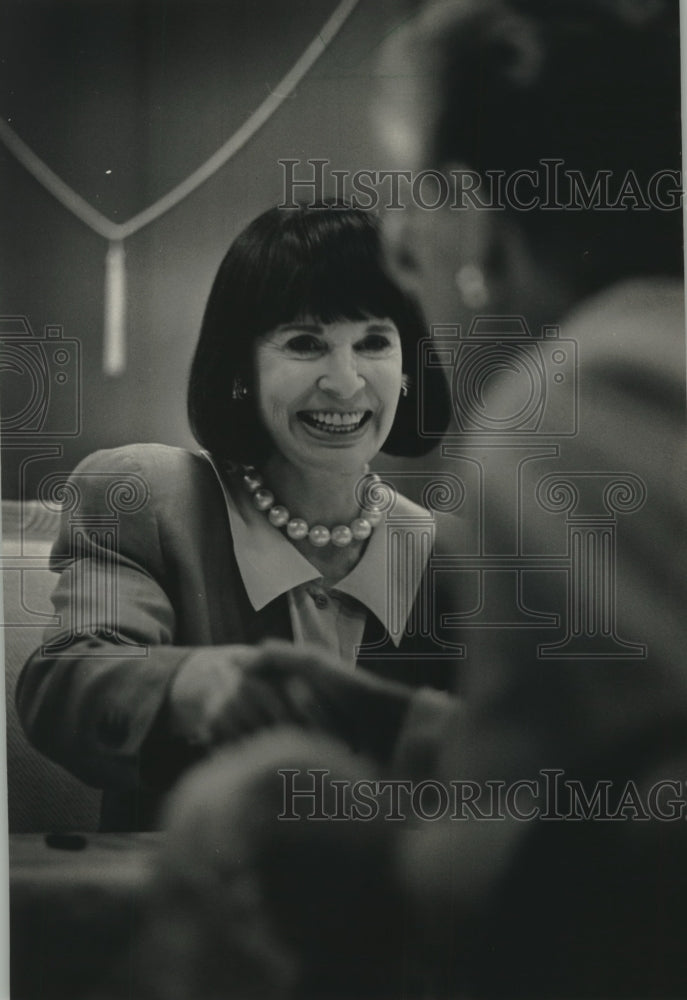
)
(304, 344)
(374, 343)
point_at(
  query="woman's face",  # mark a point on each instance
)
(327, 393)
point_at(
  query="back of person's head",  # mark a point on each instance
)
(321, 262)
(508, 85)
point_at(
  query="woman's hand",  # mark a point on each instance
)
(217, 697)
(226, 694)
(364, 711)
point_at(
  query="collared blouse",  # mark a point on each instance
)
(332, 617)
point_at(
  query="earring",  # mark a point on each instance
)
(406, 383)
(470, 283)
(239, 389)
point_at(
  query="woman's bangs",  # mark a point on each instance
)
(329, 285)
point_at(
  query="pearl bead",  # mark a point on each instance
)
(252, 481)
(263, 499)
(319, 535)
(297, 528)
(361, 528)
(373, 517)
(342, 536)
(278, 516)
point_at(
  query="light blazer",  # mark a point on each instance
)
(91, 697)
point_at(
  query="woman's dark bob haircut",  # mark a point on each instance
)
(323, 263)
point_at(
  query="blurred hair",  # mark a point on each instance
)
(594, 83)
(325, 263)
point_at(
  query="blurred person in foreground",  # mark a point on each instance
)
(567, 904)
(544, 900)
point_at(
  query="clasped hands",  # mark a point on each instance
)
(227, 693)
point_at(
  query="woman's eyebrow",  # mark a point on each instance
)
(300, 328)
(380, 326)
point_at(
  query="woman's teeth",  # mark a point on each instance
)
(335, 423)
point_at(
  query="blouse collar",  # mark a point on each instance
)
(271, 566)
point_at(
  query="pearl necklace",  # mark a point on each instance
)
(341, 535)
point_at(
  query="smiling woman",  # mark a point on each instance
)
(304, 371)
(296, 271)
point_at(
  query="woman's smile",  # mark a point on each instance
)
(335, 422)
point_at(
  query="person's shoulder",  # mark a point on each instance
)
(137, 475)
(157, 461)
(453, 535)
(450, 532)
(408, 510)
(638, 323)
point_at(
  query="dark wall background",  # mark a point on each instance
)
(123, 100)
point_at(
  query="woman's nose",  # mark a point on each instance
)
(341, 376)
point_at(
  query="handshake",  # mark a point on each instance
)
(221, 698)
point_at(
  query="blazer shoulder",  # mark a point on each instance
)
(158, 461)
(407, 509)
(453, 535)
(140, 475)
